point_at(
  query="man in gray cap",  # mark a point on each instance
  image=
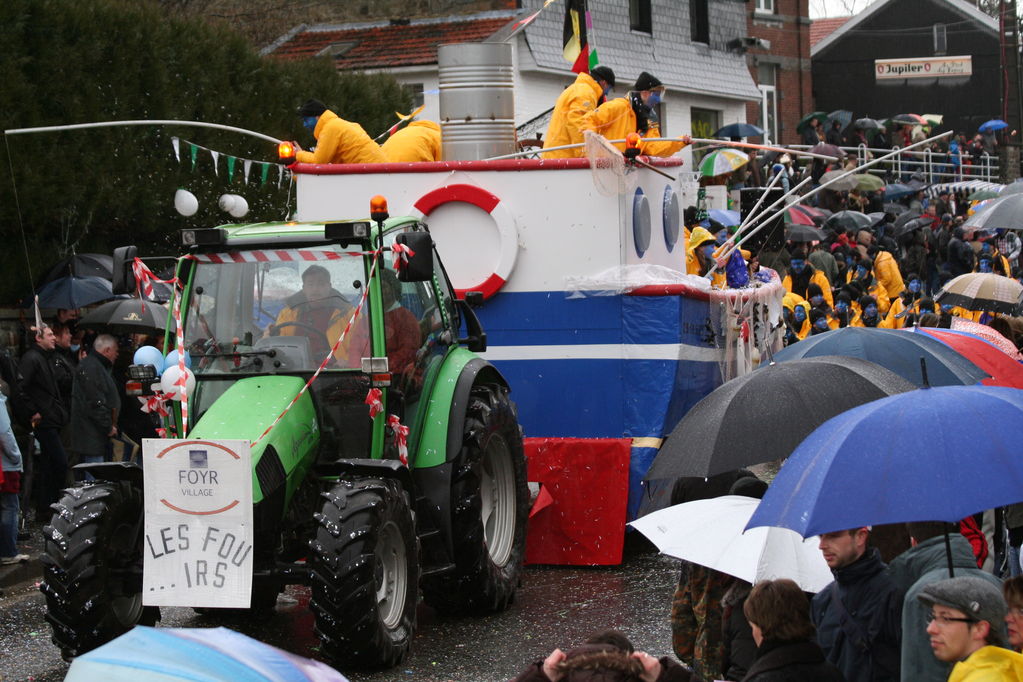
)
(967, 623)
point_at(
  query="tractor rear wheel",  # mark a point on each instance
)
(489, 508)
(365, 573)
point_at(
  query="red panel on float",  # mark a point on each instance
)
(583, 522)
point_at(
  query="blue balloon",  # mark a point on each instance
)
(172, 360)
(149, 355)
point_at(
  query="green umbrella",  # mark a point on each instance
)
(865, 182)
(722, 161)
(983, 194)
(819, 115)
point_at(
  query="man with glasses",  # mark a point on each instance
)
(966, 628)
(635, 113)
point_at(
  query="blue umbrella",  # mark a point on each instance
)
(935, 454)
(74, 292)
(725, 217)
(893, 350)
(993, 125)
(897, 190)
(739, 130)
(195, 654)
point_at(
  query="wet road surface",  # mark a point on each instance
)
(555, 606)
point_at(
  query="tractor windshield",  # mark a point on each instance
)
(262, 312)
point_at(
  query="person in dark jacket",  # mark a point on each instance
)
(858, 616)
(924, 563)
(961, 257)
(777, 613)
(95, 401)
(40, 398)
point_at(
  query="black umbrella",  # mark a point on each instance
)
(128, 315)
(866, 124)
(739, 130)
(895, 208)
(827, 150)
(904, 218)
(80, 265)
(803, 233)
(848, 220)
(764, 415)
(72, 292)
(910, 225)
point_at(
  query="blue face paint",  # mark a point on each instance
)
(721, 236)
(947, 307)
(985, 265)
(914, 285)
(654, 99)
(841, 306)
(816, 300)
(797, 265)
(708, 250)
(310, 122)
(799, 314)
(861, 272)
(821, 323)
(607, 92)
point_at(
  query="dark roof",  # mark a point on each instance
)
(388, 44)
(822, 28)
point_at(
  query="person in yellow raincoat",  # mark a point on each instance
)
(863, 275)
(700, 256)
(870, 314)
(337, 140)
(418, 141)
(634, 113)
(801, 274)
(578, 99)
(797, 318)
(886, 270)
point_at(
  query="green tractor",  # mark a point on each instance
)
(339, 504)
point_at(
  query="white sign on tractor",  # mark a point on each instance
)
(198, 523)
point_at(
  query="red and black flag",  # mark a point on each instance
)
(577, 36)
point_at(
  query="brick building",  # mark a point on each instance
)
(778, 55)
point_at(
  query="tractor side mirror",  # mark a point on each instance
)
(419, 267)
(123, 282)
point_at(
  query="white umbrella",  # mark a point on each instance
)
(710, 533)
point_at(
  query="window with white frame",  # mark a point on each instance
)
(767, 83)
(764, 6)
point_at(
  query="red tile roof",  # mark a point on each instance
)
(822, 28)
(387, 45)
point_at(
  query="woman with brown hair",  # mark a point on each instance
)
(1012, 589)
(779, 614)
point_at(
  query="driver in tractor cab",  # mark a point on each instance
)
(317, 307)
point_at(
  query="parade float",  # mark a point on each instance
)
(605, 341)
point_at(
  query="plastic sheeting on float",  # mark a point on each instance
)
(587, 480)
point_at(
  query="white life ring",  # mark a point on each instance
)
(503, 218)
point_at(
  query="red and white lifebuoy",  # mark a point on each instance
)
(503, 218)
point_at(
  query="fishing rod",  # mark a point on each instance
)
(143, 122)
(761, 219)
(721, 143)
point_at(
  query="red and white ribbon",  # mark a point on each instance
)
(400, 437)
(401, 255)
(275, 256)
(373, 399)
(155, 403)
(144, 278)
(330, 353)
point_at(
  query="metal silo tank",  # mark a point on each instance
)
(477, 102)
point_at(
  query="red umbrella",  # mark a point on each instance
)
(1003, 369)
(795, 216)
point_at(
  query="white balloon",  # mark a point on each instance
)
(169, 380)
(226, 202)
(185, 202)
(240, 208)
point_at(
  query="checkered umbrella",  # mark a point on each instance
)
(983, 291)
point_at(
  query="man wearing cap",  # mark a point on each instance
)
(337, 140)
(858, 616)
(634, 113)
(967, 627)
(577, 100)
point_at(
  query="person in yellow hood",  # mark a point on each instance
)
(418, 141)
(337, 140)
(700, 256)
(577, 100)
(634, 113)
(886, 270)
(797, 318)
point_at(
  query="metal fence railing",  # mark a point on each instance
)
(934, 167)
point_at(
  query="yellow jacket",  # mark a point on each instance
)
(988, 664)
(292, 312)
(341, 141)
(615, 119)
(699, 236)
(818, 278)
(892, 319)
(418, 141)
(566, 127)
(886, 270)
